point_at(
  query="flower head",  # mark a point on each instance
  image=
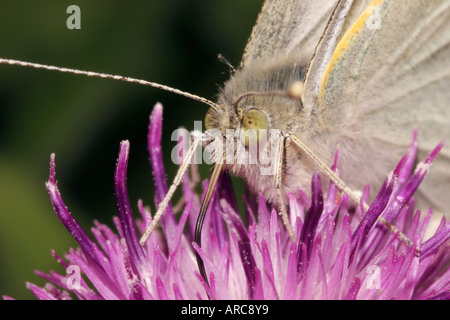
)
(341, 253)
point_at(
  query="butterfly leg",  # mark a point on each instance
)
(278, 177)
(343, 187)
(176, 182)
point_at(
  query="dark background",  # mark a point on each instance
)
(83, 120)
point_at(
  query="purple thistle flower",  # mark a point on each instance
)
(340, 253)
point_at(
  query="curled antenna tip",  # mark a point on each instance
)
(296, 90)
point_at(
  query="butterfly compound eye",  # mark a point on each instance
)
(254, 127)
(208, 119)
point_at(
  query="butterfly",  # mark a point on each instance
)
(317, 75)
(369, 72)
(372, 71)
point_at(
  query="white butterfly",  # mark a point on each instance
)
(380, 69)
(371, 72)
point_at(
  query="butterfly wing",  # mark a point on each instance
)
(286, 25)
(389, 73)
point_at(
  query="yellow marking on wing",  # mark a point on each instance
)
(348, 38)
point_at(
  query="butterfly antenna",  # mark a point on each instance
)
(295, 91)
(110, 76)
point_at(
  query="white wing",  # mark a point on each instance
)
(285, 25)
(389, 73)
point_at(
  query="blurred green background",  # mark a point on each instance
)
(83, 120)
